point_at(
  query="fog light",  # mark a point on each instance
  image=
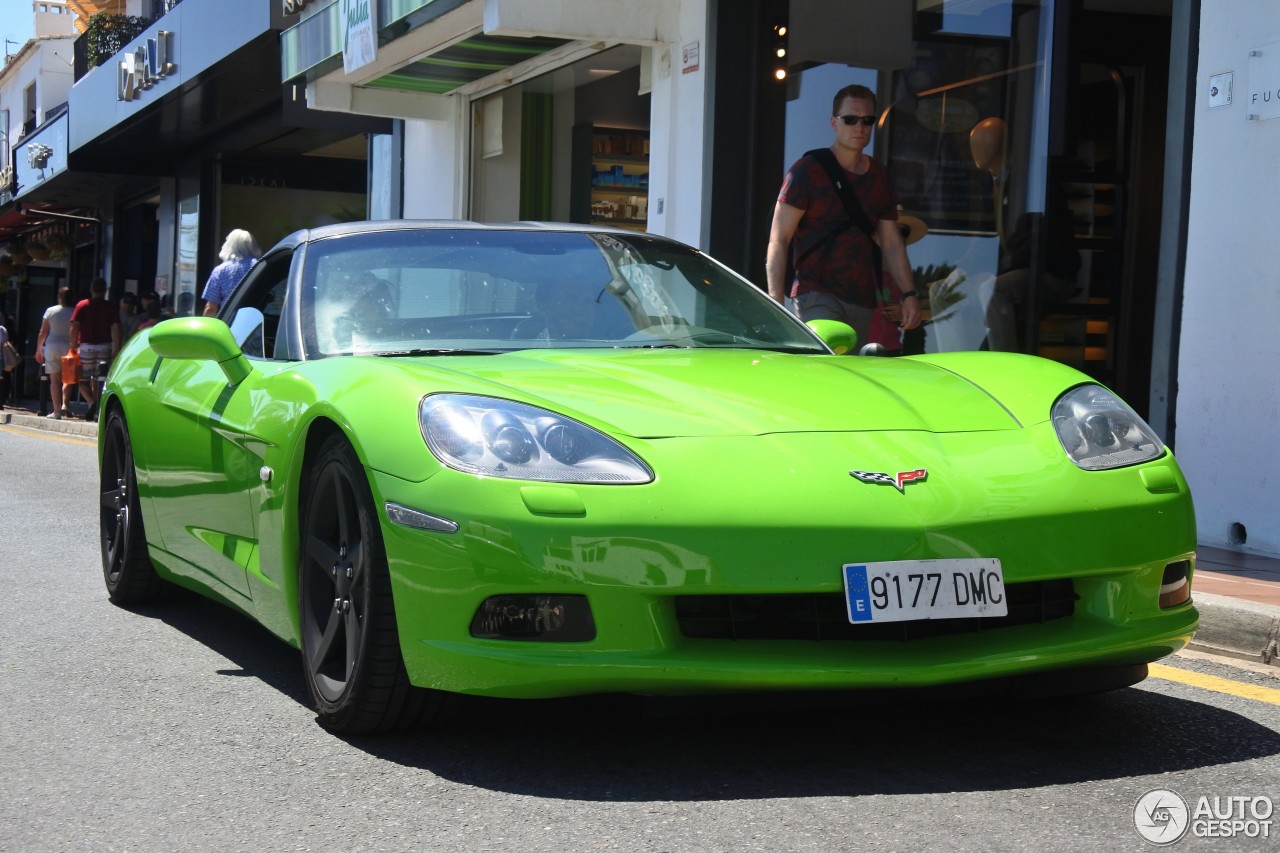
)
(1175, 586)
(541, 618)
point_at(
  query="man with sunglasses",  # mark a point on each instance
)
(835, 245)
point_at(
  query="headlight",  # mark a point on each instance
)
(1099, 431)
(499, 438)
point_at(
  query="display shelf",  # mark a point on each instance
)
(610, 183)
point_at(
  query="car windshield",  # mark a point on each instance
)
(446, 291)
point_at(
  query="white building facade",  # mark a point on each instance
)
(37, 78)
(1228, 367)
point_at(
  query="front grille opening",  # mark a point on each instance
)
(822, 616)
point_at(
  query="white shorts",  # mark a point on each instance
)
(90, 356)
(53, 354)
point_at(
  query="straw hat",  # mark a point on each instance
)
(912, 228)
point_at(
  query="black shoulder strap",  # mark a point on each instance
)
(852, 207)
(827, 159)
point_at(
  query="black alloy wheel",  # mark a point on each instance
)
(126, 568)
(350, 646)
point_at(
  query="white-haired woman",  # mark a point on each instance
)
(239, 251)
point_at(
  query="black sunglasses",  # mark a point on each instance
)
(867, 121)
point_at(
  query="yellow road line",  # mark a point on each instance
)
(53, 436)
(1214, 683)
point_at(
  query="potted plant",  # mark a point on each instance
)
(37, 250)
(7, 266)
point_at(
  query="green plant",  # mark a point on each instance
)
(106, 35)
(940, 283)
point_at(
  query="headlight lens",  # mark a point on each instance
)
(499, 438)
(1099, 430)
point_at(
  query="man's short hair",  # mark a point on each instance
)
(853, 90)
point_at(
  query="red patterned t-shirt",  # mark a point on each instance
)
(843, 265)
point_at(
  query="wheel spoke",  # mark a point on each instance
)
(115, 545)
(113, 498)
(341, 509)
(322, 553)
(321, 650)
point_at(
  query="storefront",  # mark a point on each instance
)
(525, 111)
(1029, 137)
(199, 137)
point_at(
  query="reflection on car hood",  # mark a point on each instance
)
(665, 393)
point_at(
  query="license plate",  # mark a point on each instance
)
(924, 589)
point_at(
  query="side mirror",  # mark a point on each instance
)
(840, 337)
(200, 339)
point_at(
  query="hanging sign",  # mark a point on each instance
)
(360, 44)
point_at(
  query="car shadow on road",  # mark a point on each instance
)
(707, 748)
(745, 747)
(256, 651)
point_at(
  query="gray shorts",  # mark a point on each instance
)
(816, 305)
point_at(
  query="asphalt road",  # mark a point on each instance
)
(186, 727)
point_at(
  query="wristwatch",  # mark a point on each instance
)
(914, 293)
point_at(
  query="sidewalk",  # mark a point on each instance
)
(27, 417)
(1238, 595)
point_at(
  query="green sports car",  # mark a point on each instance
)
(539, 460)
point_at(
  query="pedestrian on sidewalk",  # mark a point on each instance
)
(837, 218)
(95, 333)
(150, 315)
(52, 344)
(5, 373)
(129, 315)
(239, 251)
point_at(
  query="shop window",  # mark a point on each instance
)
(962, 129)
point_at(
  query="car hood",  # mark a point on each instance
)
(703, 392)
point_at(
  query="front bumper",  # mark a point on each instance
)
(784, 525)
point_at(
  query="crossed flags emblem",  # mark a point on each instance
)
(899, 480)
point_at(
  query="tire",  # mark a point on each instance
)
(126, 568)
(350, 646)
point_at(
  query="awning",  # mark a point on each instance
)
(17, 219)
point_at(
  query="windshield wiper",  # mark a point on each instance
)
(401, 353)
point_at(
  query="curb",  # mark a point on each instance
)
(67, 426)
(1236, 628)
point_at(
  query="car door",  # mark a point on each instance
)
(203, 469)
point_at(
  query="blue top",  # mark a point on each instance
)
(224, 278)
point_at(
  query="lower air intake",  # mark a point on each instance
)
(822, 616)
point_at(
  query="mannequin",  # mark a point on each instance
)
(987, 145)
